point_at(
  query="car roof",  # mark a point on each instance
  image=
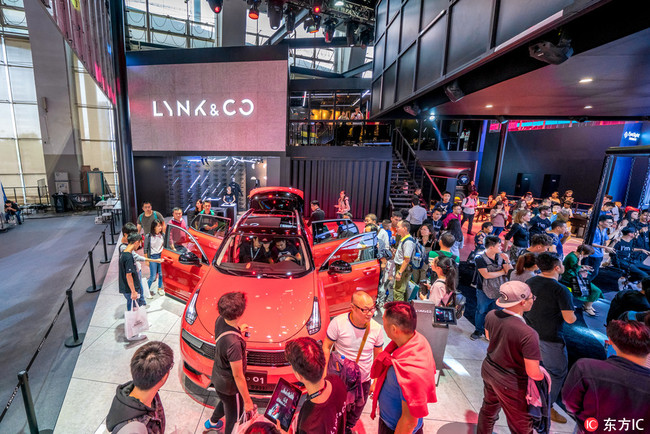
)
(271, 222)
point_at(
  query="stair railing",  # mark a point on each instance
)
(416, 170)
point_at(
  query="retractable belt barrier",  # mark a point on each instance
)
(74, 341)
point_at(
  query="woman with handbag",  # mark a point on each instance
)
(228, 376)
(445, 285)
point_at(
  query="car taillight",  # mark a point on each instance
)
(313, 325)
(190, 312)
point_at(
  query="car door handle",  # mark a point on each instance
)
(368, 271)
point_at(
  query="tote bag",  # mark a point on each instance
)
(135, 321)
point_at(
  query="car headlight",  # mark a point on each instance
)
(190, 312)
(313, 325)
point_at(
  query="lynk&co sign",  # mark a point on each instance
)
(202, 108)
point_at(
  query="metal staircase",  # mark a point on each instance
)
(402, 186)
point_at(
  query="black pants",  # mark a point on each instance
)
(354, 411)
(636, 267)
(497, 395)
(227, 406)
(470, 219)
(384, 429)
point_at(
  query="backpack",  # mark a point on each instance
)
(418, 259)
(457, 301)
(492, 286)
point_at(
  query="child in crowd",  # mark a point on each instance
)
(479, 239)
(446, 272)
(386, 225)
(130, 228)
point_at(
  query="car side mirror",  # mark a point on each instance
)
(340, 267)
(189, 258)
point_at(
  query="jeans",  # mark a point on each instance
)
(16, 213)
(354, 411)
(385, 429)
(155, 268)
(484, 304)
(594, 262)
(497, 231)
(227, 407)
(455, 249)
(470, 219)
(129, 302)
(555, 360)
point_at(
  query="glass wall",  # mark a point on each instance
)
(96, 127)
(22, 164)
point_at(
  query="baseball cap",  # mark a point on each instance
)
(511, 293)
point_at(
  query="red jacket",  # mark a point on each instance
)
(415, 370)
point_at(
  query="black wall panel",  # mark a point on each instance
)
(430, 10)
(406, 72)
(388, 86)
(380, 17)
(515, 16)
(410, 15)
(431, 51)
(324, 173)
(378, 62)
(392, 42)
(150, 183)
(376, 96)
(470, 31)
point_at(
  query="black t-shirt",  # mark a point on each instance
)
(126, 266)
(519, 235)
(624, 250)
(248, 253)
(327, 417)
(289, 250)
(445, 207)
(627, 300)
(511, 341)
(230, 348)
(539, 225)
(546, 315)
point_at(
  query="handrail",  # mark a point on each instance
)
(416, 163)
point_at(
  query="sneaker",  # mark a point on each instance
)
(476, 335)
(210, 425)
(557, 417)
(161, 291)
(148, 294)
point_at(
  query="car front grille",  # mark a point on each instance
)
(266, 358)
(253, 358)
(203, 348)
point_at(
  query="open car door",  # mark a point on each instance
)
(209, 231)
(351, 267)
(328, 235)
(184, 263)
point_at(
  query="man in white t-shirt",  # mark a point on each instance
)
(346, 333)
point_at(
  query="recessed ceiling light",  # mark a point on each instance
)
(586, 80)
(588, 106)
(489, 106)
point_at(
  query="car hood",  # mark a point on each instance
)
(277, 309)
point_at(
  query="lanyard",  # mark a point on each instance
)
(317, 393)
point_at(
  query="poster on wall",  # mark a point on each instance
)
(224, 106)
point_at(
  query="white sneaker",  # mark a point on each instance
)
(148, 294)
(137, 337)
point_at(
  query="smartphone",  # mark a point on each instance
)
(283, 403)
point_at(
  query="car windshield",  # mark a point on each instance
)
(265, 255)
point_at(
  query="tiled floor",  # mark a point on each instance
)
(105, 355)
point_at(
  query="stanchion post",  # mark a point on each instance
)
(112, 223)
(112, 243)
(94, 287)
(23, 378)
(105, 260)
(77, 338)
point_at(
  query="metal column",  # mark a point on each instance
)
(501, 150)
(122, 121)
(608, 165)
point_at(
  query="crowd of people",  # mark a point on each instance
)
(526, 289)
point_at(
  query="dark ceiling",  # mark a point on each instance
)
(620, 88)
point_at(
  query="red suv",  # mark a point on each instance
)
(296, 278)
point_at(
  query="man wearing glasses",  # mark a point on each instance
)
(348, 333)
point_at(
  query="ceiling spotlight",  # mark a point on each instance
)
(254, 12)
(339, 3)
(312, 23)
(489, 106)
(216, 5)
(290, 20)
(588, 107)
(329, 26)
(586, 80)
(275, 13)
(350, 33)
(316, 6)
